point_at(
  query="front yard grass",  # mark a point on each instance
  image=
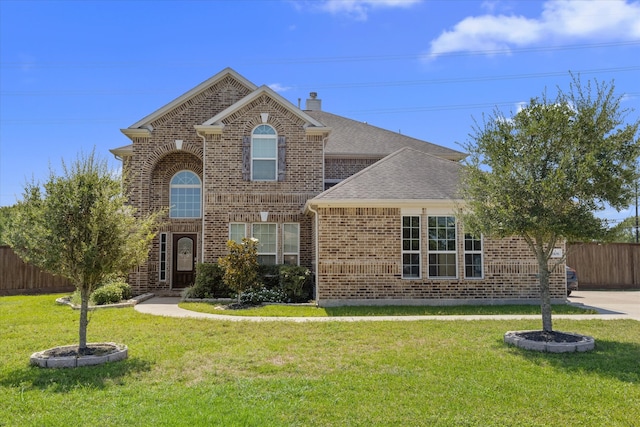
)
(204, 372)
(277, 310)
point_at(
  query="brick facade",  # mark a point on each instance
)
(360, 262)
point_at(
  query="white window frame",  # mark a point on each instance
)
(473, 251)
(436, 252)
(162, 258)
(240, 225)
(274, 159)
(285, 253)
(173, 186)
(411, 251)
(260, 244)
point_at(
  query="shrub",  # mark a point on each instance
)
(258, 296)
(295, 283)
(209, 283)
(269, 275)
(126, 289)
(109, 294)
(241, 265)
(112, 292)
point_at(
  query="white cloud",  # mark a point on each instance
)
(567, 20)
(357, 9)
(277, 87)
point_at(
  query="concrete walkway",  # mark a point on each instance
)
(611, 305)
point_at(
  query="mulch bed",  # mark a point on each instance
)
(72, 350)
(553, 336)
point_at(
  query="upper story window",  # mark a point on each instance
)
(264, 154)
(185, 195)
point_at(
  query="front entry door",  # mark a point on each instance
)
(184, 260)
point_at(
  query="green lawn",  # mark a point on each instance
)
(275, 310)
(205, 373)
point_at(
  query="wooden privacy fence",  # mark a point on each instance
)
(17, 277)
(612, 266)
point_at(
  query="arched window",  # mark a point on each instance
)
(185, 195)
(264, 154)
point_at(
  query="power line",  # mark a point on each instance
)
(474, 79)
(486, 105)
(315, 60)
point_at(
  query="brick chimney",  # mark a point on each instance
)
(313, 103)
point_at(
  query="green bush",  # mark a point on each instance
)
(126, 289)
(209, 283)
(258, 296)
(269, 276)
(295, 283)
(111, 294)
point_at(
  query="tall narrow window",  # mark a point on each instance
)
(185, 195)
(267, 242)
(442, 247)
(163, 257)
(410, 247)
(472, 257)
(264, 154)
(237, 232)
(291, 244)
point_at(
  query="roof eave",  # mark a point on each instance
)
(124, 151)
(382, 203)
(136, 132)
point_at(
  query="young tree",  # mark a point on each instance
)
(543, 173)
(241, 265)
(78, 226)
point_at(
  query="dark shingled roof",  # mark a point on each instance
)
(351, 138)
(407, 174)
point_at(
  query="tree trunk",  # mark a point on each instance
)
(84, 309)
(545, 295)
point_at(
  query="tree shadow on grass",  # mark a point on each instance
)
(610, 358)
(64, 380)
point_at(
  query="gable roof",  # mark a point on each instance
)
(190, 94)
(262, 90)
(351, 138)
(404, 177)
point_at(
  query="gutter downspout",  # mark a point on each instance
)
(315, 219)
(202, 201)
(317, 249)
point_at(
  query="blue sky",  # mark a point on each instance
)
(73, 73)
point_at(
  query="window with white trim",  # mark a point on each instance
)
(267, 236)
(441, 231)
(264, 154)
(472, 257)
(163, 257)
(185, 195)
(237, 232)
(410, 247)
(291, 244)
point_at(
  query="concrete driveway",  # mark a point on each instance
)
(609, 302)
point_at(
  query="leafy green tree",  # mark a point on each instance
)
(625, 231)
(78, 226)
(542, 173)
(240, 265)
(5, 215)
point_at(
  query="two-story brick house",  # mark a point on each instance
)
(371, 212)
